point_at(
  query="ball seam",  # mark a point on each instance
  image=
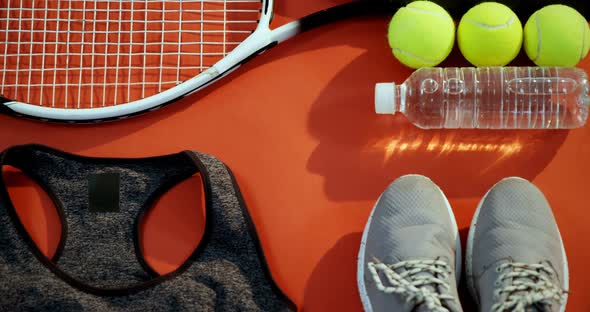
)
(416, 56)
(439, 14)
(539, 39)
(486, 26)
(584, 25)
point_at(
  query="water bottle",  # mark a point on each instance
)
(490, 98)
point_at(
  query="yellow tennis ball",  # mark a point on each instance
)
(556, 35)
(490, 34)
(421, 34)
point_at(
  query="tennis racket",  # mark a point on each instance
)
(82, 61)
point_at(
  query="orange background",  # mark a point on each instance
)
(297, 127)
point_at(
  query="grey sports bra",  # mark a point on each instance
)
(99, 266)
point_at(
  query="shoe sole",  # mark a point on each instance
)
(469, 255)
(360, 262)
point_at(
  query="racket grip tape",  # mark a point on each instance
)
(348, 10)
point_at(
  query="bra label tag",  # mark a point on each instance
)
(103, 192)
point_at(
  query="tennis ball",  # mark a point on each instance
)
(556, 35)
(421, 34)
(490, 34)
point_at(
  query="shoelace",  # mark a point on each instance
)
(526, 293)
(411, 285)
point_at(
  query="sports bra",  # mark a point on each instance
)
(99, 266)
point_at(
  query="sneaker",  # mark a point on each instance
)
(410, 252)
(515, 257)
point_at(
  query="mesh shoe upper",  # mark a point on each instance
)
(515, 257)
(408, 256)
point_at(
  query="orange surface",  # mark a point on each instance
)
(297, 127)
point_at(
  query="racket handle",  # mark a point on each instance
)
(334, 14)
(348, 10)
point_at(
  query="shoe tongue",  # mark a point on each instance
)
(431, 288)
(422, 275)
(426, 275)
(422, 308)
(535, 307)
(554, 307)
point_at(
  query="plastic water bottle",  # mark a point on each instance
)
(489, 98)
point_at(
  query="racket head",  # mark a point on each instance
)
(91, 61)
(229, 33)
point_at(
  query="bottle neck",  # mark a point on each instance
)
(399, 102)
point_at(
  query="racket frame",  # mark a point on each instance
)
(262, 39)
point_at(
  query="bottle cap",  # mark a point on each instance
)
(385, 98)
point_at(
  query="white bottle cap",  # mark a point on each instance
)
(385, 98)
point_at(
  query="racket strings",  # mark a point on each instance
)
(89, 54)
